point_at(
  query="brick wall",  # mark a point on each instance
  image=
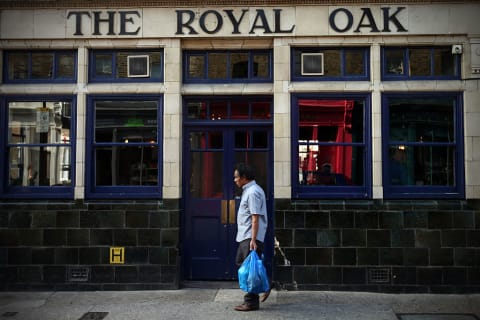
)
(385, 246)
(43, 243)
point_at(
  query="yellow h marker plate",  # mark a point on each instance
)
(117, 255)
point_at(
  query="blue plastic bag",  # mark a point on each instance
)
(252, 275)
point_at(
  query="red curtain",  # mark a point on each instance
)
(329, 113)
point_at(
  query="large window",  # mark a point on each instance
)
(124, 147)
(400, 63)
(330, 139)
(126, 65)
(38, 147)
(422, 146)
(319, 64)
(40, 66)
(227, 66)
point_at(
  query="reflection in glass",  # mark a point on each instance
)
(444, 62)
(126, 165)
(66, 66)
(42, 65)
(240, 109)
(196, 67)
(126, 121)
(239, 65)
(128, 132)
(419, 60)
(332, 63)
(17, 66)
(331, 137)
(39, 148)
(218, 110)
(354, 63)
(205, 180)
(416, 128)
(394, 61)
(206, 140)
(261, 65)
(422, 165)
(103, 65)
(217, 65)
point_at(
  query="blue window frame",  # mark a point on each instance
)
(37, 146)
(331, 146)
(124, 147)
(420, 63)
(243, 66)
(330, 64)
(126, 65)
(422, 145)
(252, 109)
(23, 66)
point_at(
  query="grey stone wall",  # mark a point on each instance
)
(44, 245)
(382, 246)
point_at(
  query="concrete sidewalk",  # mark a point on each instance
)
(212, 304)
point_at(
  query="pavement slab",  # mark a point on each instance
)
(215, 304)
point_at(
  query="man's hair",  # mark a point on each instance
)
(245, 170)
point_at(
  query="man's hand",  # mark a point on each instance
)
(253, 245)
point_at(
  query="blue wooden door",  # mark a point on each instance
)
(211, 197)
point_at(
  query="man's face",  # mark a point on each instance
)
(239, 181)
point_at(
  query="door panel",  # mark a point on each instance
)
(211, 197)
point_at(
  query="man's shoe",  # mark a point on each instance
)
(246, 307)
(264, 296)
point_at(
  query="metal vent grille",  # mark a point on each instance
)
(78, 274)
(379, 275)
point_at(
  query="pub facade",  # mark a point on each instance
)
(121, 124)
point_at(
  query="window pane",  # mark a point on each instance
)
(197, 110)
(42, 65)
(261, 110)
(261, 65)
(126, 121)
(196, 67)
(239, 110)
(332, 63)
(217, 65)
(419, 60)
(121, 64)
(208, 140)
(205, 182)
(66, 66)
(39, 166)
(331, 165)
(331, 120)
(39, 122)
(260, 139)
(126, 165)
(444, 62)
(239, 65)
(422, 165)
(394, 63)
(354, 63)
(17, 66)
(103, 65)
(155, 64)
(326, 129)
(218, 110)
(422, 120)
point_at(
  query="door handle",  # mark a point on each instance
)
(228, 212)
(231, 215)
(224, 212)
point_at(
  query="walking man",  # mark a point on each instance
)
(251, 226)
